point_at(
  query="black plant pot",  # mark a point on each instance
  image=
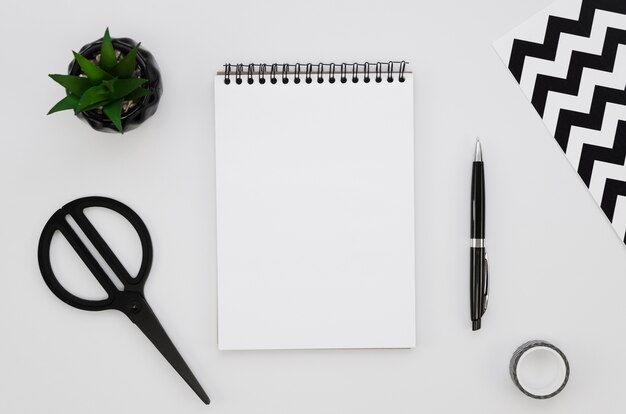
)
(145, 106)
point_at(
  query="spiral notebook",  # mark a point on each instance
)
(315, 206)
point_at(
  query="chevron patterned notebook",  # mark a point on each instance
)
(570, 61)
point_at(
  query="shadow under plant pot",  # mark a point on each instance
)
(134, 112)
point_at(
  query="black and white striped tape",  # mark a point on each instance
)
(541, 359)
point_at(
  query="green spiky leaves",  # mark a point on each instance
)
(106, 83)
(107, 53)
(125, 67)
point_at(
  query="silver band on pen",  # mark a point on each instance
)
(477, 243)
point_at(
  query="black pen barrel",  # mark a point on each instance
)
(478, 201)
(477, 285)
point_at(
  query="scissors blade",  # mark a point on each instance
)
(147, 321)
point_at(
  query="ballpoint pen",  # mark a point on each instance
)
(479, 269)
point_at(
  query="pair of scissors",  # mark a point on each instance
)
(130, 300)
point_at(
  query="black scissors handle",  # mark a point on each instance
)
(130, 300)
(58, 222)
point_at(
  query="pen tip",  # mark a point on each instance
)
(479, 153)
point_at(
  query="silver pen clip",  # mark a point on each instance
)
(486, 282)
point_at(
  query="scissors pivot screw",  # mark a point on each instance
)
(135, 307)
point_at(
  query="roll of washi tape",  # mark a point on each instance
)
(539, 369)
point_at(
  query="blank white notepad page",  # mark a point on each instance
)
(315, 215)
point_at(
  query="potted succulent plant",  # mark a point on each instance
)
(112, 84)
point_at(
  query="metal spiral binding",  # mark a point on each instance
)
(238, 72)
(379, 72)
(319, 72)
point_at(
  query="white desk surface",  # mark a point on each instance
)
(557, 267)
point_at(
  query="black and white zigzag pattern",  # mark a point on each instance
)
(575, 77)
